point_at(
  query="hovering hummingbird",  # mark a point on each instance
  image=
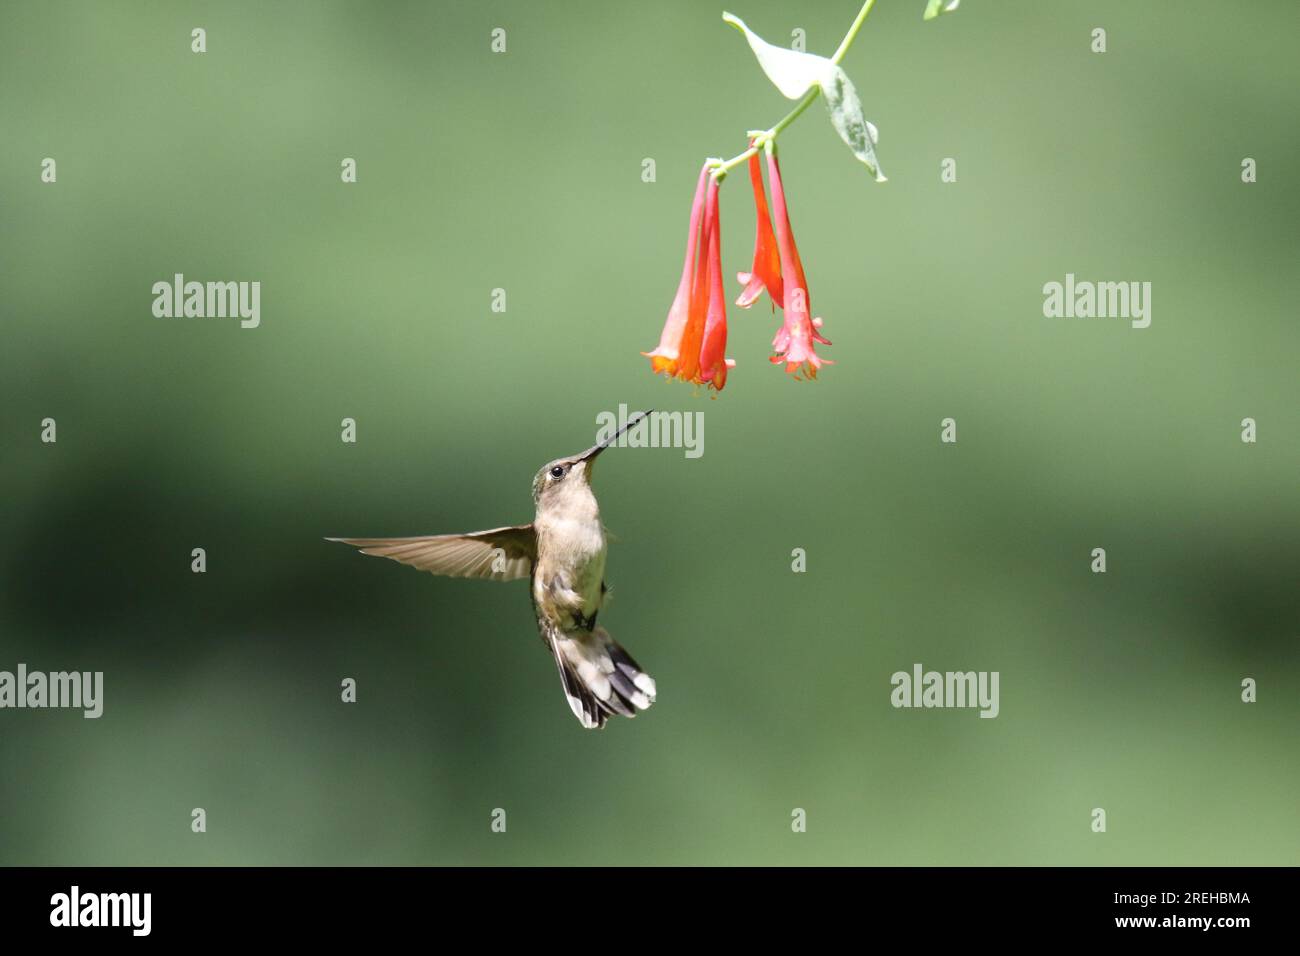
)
(563, 554)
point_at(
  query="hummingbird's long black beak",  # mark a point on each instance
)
(595, 450)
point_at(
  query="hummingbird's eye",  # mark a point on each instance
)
(557, 472)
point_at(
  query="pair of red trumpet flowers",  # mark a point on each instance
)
(694, 340)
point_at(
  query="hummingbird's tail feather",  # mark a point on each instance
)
(600, 678)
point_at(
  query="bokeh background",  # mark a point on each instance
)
(523, 171)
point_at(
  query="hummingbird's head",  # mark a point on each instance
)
(560, 478)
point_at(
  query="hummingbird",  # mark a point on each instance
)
(562, 553)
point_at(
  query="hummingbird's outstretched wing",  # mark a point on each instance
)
(499, 554)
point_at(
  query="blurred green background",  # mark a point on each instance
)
(522, 171)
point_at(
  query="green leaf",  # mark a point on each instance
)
(791, 72)
(794, 74)
(936, 7)
(845, 107)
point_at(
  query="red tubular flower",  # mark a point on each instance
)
(694, 337)
(767, 259)
(667, 357)
(688, 361)
(793, 343)
(713, 360)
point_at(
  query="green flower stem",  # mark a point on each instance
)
(849, 37)
(761, 137)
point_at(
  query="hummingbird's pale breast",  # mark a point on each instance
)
(571, 551)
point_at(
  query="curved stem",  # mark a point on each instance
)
(853, 32)
(723, 166)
